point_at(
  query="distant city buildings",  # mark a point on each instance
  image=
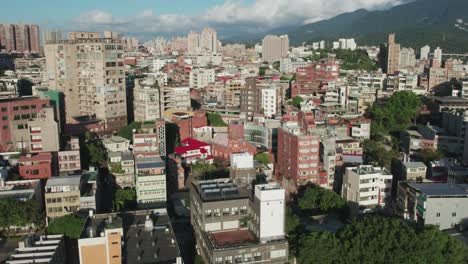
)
(206, 41)
(20, 38)
(275, 48)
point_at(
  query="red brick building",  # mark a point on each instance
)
(150, 139)
(298, 153)
(15, 114)
(309, 80)
(187, 123)
(38, 166)
(224, 145)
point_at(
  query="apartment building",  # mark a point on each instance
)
(270, 105)
(298, 156)
(150, 181)
(48, 249)
(146, 104)
(175, 98)
(116, 144)
(36, 166)
(69, 159)
(393, 55)
(275, 48)
(309, 80)
(23, 190)
(150, 139)
(233, 92)
(20, 38)
(129, 237)
(231, 227)
(366, 188)
(43, 132)
(62, 196)
(250, 98)
(201, 77)
(441, 204)
(15, 113)
(122, 166)
(89, 69)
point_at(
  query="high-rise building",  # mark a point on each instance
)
(250, 98)
(438, 55)
(89, 70)
(204, 42)
(21, 38)
(393, 55)
(146, 104)
(62, 196)
(298, 153)
(425, 52)
(275, 48)
(407, 57)
(209, 40)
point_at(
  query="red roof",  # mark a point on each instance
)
(191, 144)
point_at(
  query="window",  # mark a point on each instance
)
(5, 127)
(226, 211)
(217, 212)
(4, 118)
(438, 215)
(4, 109)
(15, 108)
(208, 213)
(454, 214)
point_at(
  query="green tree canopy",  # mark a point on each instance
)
(19, 214)
(296, 101)
(380, 239)
(125, 199)
(397, 114)
(215, 119)
(428, 155)
(263, 157)
(316, 197)
(69, 225)
(127, 131)
(376, 153)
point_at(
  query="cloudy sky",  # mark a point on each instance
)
(149, 18)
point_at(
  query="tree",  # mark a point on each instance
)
(14, 213)
(97, 152)
(127, 131)
(428, 155)
(69, 225)
(198, 260)
(397, 114)
(276, 65)
(380, 239)
(297, 101)
(125, 199)
(262, 70)
(215, 119)
(201, 168)
(262, 157)
(316, 197)
(376, 153)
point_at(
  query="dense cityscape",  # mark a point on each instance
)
(117, 148)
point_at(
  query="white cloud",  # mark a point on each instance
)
(259, 16)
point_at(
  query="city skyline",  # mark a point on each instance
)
(146, 19)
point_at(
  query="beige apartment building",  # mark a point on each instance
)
(89, 69)
(393, 55)
(62, 196)
(275, 48)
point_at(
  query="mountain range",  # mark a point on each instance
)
(442, 23)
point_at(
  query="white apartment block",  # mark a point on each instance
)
(146, 103)
(201, 78)
(366, 187)
(269, 101)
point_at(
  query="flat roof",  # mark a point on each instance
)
(219, 190)
(64, 181)
(232, 238)
(414, 164)
(149, 162)
(441, 189)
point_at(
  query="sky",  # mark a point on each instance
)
(150, 18)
